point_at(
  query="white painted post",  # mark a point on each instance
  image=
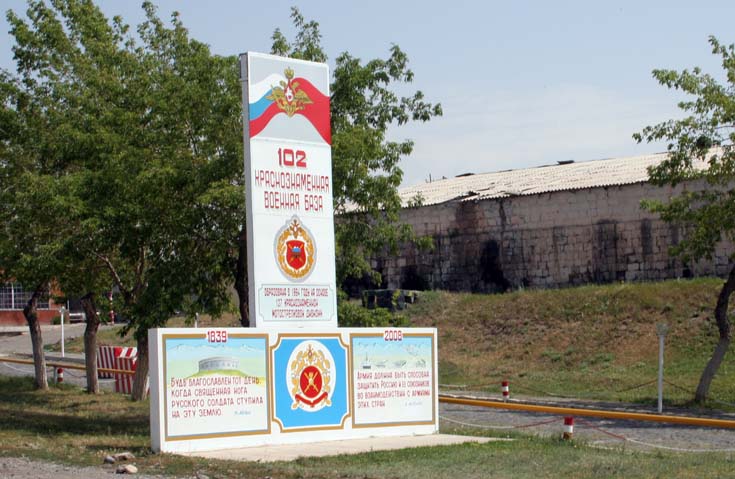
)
(61, 312)
(196, 320)
(661, 330)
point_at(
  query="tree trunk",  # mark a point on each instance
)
(90, 342)
(723, 325)
(140, 380)
(241, 277)
(30, 311)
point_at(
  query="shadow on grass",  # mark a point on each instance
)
(50, 423)
(64, 410)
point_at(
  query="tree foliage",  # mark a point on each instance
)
(29, 236)
(701, 147)
(366, 171)
(121, 160)
(140, 135)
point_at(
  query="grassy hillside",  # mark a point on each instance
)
(591, 342)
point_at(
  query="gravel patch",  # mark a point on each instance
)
(21, 468)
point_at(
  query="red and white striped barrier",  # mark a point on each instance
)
(59, 375)
(568, 427)
(506, 390)
(106, 357)
(124, 382)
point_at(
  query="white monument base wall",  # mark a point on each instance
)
(237, 387)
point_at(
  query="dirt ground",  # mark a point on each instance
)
(20, 468)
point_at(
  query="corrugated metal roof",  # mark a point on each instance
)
(530, 181)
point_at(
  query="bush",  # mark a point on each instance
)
(353, 315)
(56, 320)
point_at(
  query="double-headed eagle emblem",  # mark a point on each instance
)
(288, 96)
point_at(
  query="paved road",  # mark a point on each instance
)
(16, 340)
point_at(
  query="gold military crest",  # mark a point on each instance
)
(295, 250)
(310, 380)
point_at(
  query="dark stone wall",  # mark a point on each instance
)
(556, 239)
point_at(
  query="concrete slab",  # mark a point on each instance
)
(289, 452)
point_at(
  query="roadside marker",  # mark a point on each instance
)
(506, 390)
(568, 427)
(59, 376)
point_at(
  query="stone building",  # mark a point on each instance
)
(552, 226)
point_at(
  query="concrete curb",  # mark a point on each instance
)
(289, 452)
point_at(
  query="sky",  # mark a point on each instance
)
(522, 84)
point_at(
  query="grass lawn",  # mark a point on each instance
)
(66, 425)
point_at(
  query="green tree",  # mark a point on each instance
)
(28, 255)
(30, 239)
(701, 147)
(366, 171)
(40, 217)
(145, 133)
